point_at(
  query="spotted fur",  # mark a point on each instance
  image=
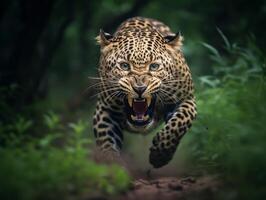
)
(128, 59)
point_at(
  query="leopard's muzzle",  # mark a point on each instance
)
(140, 110)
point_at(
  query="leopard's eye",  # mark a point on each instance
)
(154, 66)
(125, 66)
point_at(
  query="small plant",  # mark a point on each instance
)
(78, 141)
(78, 127)
(52, 120)
(21, 125)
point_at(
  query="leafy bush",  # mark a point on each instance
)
(229, 135)
(55, 166)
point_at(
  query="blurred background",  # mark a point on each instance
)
(48, 50)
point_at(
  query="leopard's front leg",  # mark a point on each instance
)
(166, 140)
(108, 131)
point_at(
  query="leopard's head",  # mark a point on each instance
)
(140, 67)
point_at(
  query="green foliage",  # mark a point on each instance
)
(55, 166)
(22, 125)
(229, 135)
(51, 120)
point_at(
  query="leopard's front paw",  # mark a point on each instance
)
(161, 157)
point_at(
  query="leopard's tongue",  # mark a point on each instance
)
(139, 107)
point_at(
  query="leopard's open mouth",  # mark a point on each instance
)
(140, 110)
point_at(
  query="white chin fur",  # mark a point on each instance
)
(140, 129)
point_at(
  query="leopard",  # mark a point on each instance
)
(144, 83)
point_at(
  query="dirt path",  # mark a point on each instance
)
(166, 183)
(172, 188)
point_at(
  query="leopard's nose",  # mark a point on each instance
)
(140, 90)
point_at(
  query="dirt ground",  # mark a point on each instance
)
(165, 183)
(172, 188)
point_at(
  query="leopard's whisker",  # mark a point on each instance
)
(160, 99)
(114, 95)
(102, 78)
(111, 96)
(170, 95)
(173, 81)
(97, 86)
(104, 91)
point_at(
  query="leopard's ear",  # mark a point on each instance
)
(103, 38)
(174, 40)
